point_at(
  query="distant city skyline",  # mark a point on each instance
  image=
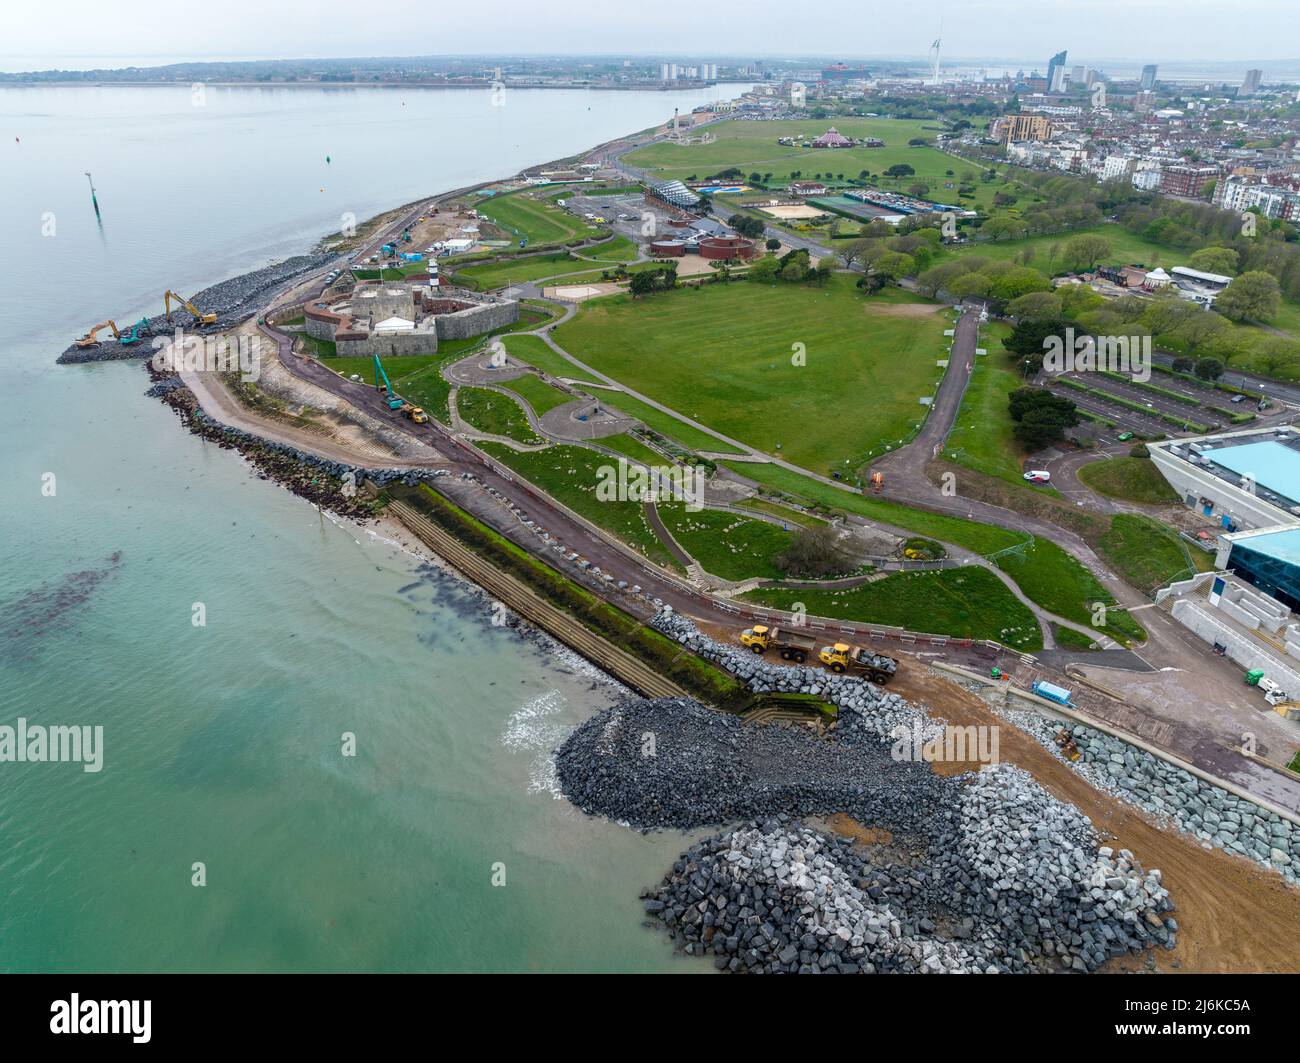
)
(1175, 30)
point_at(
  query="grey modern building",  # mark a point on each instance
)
(1148, 81)
(1056, 73)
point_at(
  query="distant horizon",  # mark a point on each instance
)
(81, 63)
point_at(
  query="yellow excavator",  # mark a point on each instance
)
(88, 340)
(199, 316)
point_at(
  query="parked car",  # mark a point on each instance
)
(1038, 476)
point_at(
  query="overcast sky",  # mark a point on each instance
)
(1092, 30)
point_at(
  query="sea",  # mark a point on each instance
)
(318, 752)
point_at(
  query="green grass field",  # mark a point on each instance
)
(725, 355)
(485, 275)
(534, 351)
(617, 249)
(752, 146)
(982, 437)
(537, 393)
(1045, 573)
(665, 424)
(981, 538)
(728, 546)
(490, 411)
(1049, 257)
(964, 603)
(570, 476)
(526, 213)
(1147, 554)
(1130, 479)
(1061, 584)
(631, 447)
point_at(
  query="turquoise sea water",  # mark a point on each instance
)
(222, 743)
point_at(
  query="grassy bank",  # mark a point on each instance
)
(1129, 479)
(963, 603)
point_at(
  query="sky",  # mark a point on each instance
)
(78, 32)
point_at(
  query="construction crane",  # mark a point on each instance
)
(199, 316)
(89, 340)
(395, 401)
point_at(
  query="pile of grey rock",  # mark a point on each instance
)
(231, 300)
(1013, 882)
(1209, 812)
(673, 763)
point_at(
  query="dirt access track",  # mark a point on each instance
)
(1233, 916)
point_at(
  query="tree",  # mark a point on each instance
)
(892, 265)
(919, 189)
(773, 244)
(971, 285)
(1018, 281)
(1183, 365)
(854, 250)
(1027, 343)
(1040, 416)
(642, 283)
(815, 553)
(899, 170)
(1041, 305)
(764, 270)
(1254, 296)
(1222, 260)
(1208, 368)
(1087, 250)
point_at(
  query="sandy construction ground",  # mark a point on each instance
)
(905, 309)
(1233, 916)
(801, 210)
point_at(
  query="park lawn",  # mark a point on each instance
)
(961, 602)
(1059, 583)
(782, 513)
(727, 545)
(1046, 574)
(1130, 479)
(982, 437)
(631, 447)
(397, 368)
(726, 355)
(569, 474)
(980, 538)
(490, 411)
(527, 214)
(536, 352)
(1048, 251)
(537, 393)
(619, 249)
(428, 388)
(483, 276)
(666, 424)
(752, 146)
(1146, 553)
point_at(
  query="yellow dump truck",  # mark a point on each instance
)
(842, 657)
(415, 413)
(793, 645)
